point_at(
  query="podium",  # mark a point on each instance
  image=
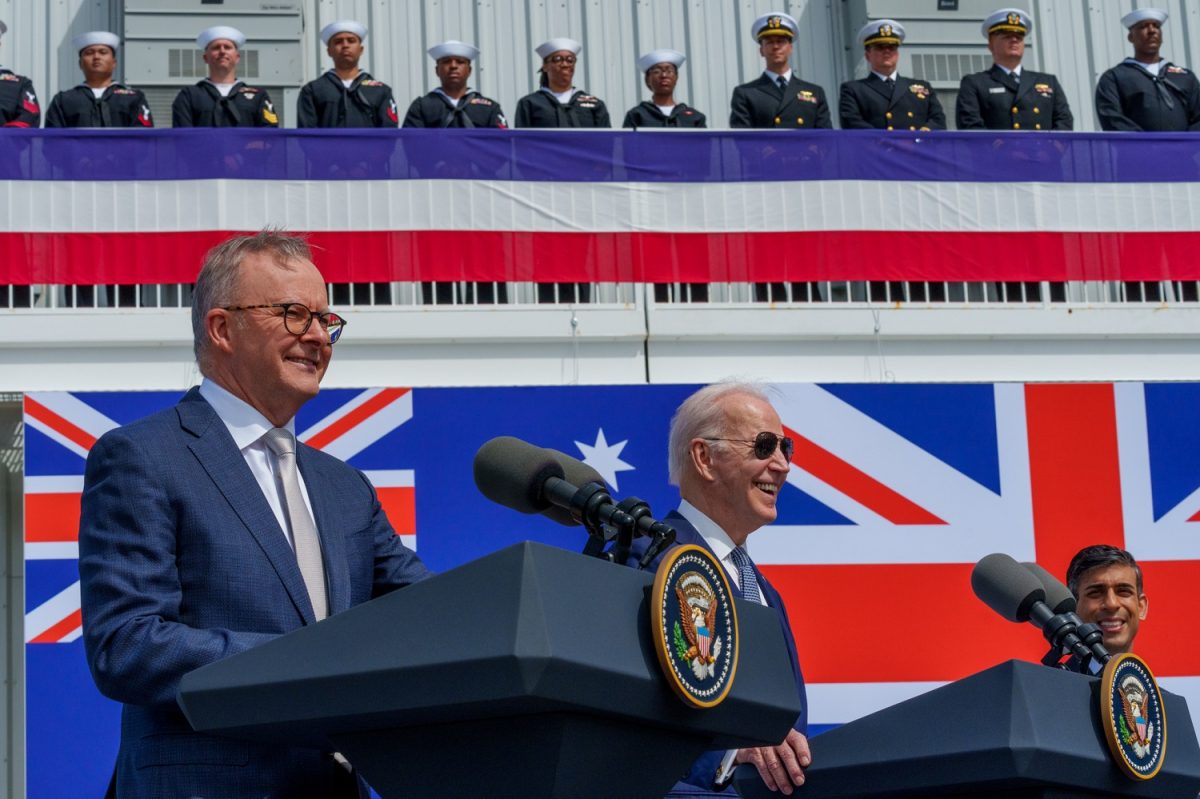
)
(529, 672)
(1017, 730)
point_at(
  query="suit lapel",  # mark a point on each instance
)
(325, 513)
(217, 453)
(880, 87)
(1026, 85)
(900, 91)
(1002, 77)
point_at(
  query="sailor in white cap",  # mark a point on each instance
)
(454, 104)
(884, 100)
(346, 96)
(98, 102)
(777, 98)
(660, 70)
(221, 100)
(1145, 91)
(1007, 96)
(18, 101)
(558, 104)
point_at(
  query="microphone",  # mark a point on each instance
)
(1060, 600)
(1017, 594)
(531, 479)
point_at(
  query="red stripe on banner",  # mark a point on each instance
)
(858, 485)
(1195, 518)
(401, 508)
(485, 255)
(58, 631)
(895, 623)
(1073, 470)
(355, 417)
(51, 517)
(58, 424)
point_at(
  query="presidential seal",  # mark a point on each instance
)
(1133, 716)
(694, 626)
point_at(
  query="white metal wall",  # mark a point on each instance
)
(1076, 39)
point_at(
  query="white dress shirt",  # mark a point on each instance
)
(717, 539)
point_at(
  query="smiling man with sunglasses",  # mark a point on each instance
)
(207, 529)
(729, 456)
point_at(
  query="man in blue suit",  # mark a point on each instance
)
(206, 530)
(729, 457)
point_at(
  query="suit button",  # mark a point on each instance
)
(1038, 126)
(1016, 126)
(1035, 110)
(912, 127)
(799, 120)
(888, 115)
(776, 120)
(1014, 109)
(890, 127)
(910, 114)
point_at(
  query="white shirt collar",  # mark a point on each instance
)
(716, 538)
(245, 424)
(881, 76)
(1008, 71)
(775, 76)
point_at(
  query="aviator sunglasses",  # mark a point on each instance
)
(765, 444)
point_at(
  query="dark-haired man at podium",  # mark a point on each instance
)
(729, 457)
(208, 529)
(1107, 584)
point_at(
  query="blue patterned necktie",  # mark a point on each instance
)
(746, 575)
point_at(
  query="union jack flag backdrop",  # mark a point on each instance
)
(895, 492)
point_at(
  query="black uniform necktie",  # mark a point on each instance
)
(782, 81)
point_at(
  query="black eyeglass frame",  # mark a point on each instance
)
(332, 323)
(561, 59)
(761, 443)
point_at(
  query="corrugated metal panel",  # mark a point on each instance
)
(1075, 39)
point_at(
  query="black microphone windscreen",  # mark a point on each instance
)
(1058, 597)
(511, 472)
(1006, 586)
(578, 474)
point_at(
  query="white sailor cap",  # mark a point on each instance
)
(554, 45)
(210, 35)
(342, 26)
(881, 31)
(1007, 20)
(453, 48)
(105, 38)
(776, 23)
(1143, 14)
(654, 57)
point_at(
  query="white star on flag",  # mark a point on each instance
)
(605, 458)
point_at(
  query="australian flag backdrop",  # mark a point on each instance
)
(895, 492)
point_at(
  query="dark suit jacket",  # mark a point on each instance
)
(543, 110)
(993, 101)
(762, 104)
(182, 563)
(699, 778)
(911, 105)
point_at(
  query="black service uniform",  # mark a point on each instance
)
(202, 106)
(871, 103)
(647, 115)
(1128, 97)
(18, 101)
(543, 110)
(119, 107)
(438, 110)
(327, 103)
(993, 100)
(761, 103)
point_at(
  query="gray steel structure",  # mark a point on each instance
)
(1075, 39)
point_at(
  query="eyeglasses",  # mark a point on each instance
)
(765, 444)
(656, 71)
(297, 318)
(562, 59)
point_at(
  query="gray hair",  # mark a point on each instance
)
(217, 282)
(701, 416)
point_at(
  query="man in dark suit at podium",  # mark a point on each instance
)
(729, 457)
(1107, 584)
(206, 530)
